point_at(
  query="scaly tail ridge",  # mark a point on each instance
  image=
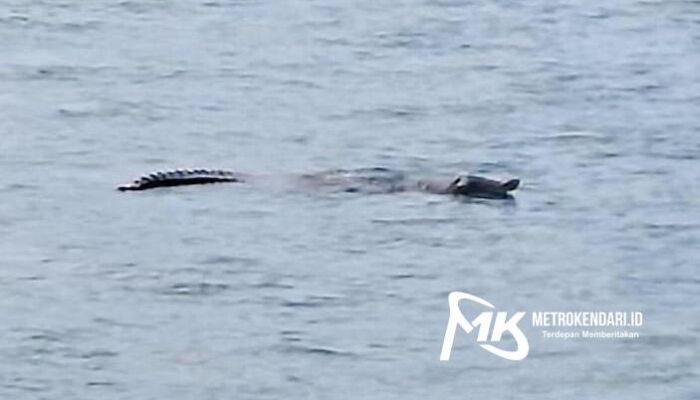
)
(180, 177)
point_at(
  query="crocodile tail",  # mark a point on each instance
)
(180, 177)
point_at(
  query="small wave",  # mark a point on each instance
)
(228, 260)
(272, 285)
(575, 135)
(665, 341)
(100, 383)
(18, 187)
(319, 350)
(196, 289)
(94, 354)
(312, 302)
(385, 112)
(412, 221)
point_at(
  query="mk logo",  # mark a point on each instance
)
(483, 322)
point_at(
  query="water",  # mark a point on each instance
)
(247, 292)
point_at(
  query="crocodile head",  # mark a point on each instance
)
(476, 186)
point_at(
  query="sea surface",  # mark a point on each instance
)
(250, 292)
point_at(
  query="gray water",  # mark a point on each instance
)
(231, 291)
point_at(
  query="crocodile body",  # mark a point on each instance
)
(364, 180)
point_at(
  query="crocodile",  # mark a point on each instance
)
(362, 180)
